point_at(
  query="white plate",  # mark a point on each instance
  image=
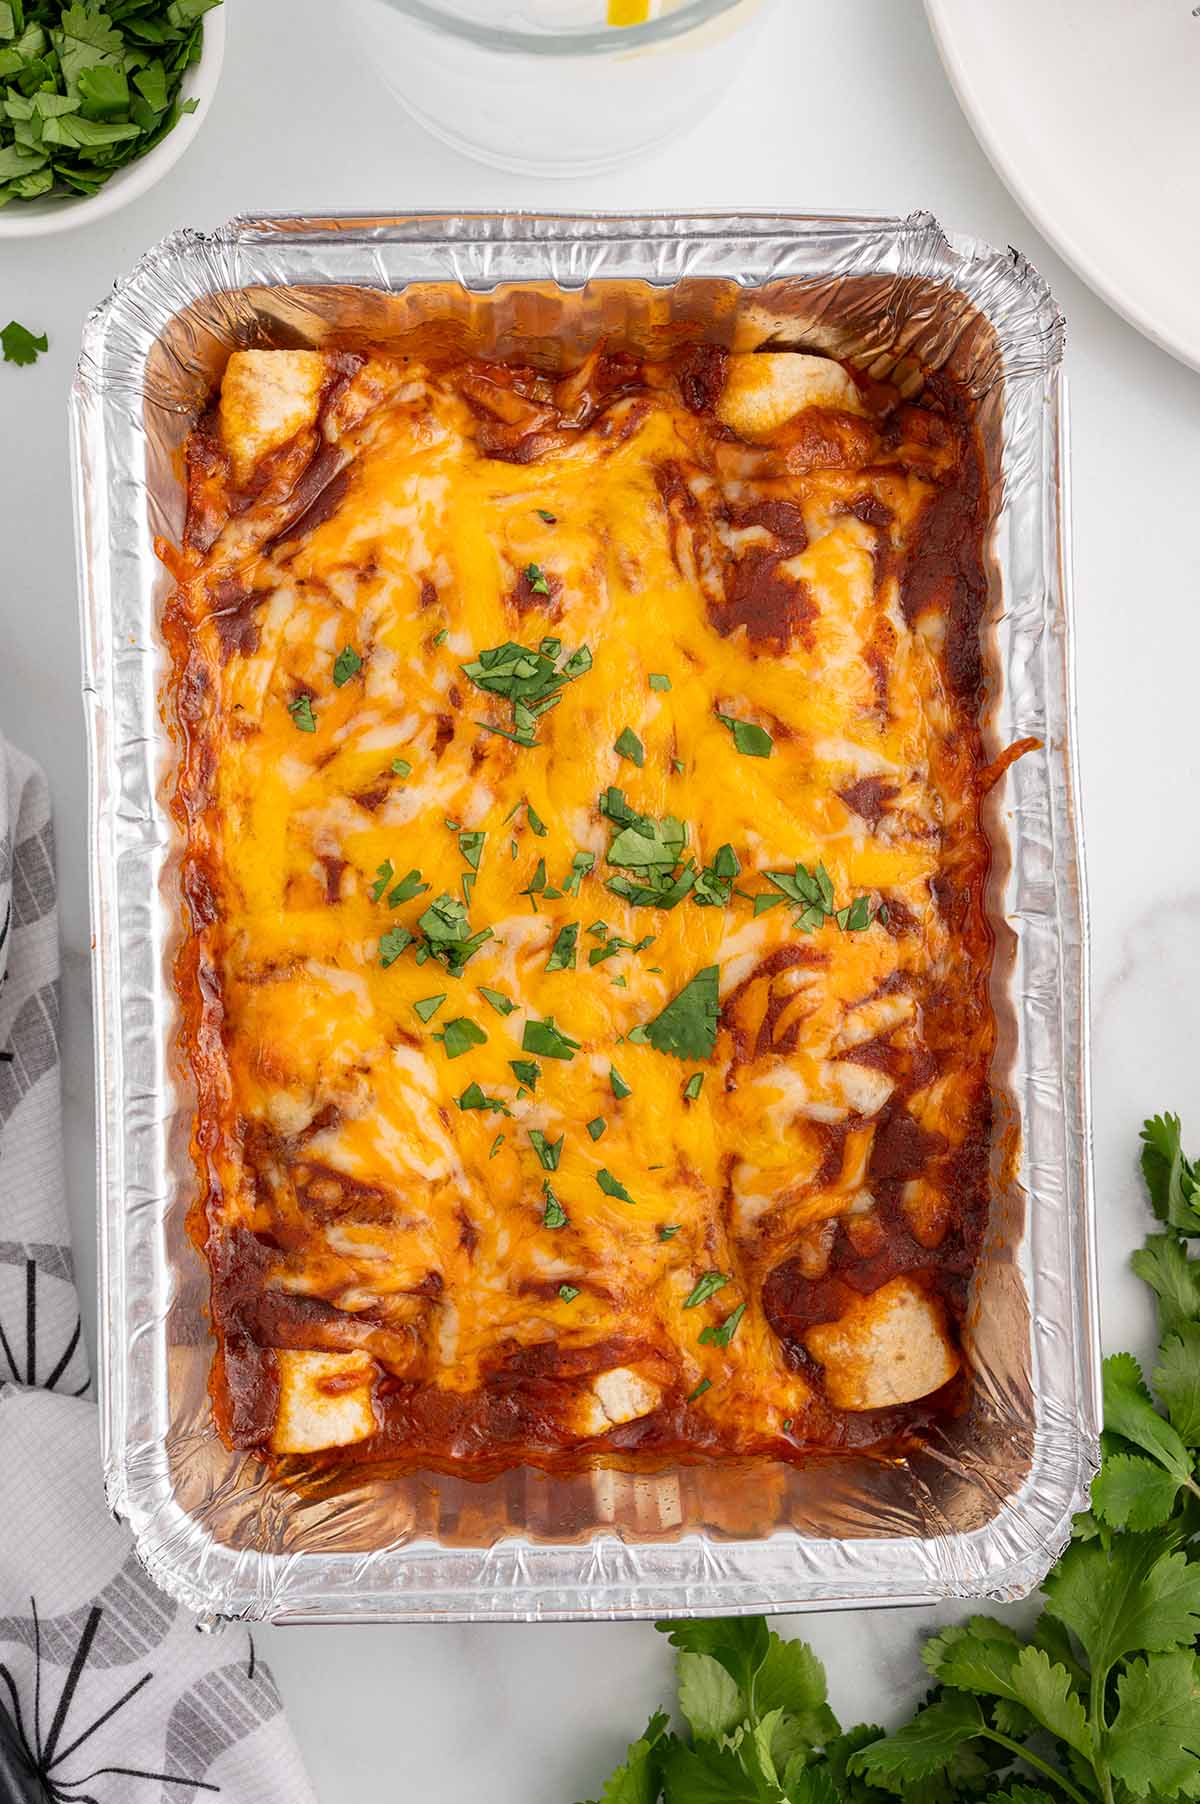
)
(1090, 112)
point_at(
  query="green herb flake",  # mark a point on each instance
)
(409, 886)
(473, 1097)
(548, 1151)
(496, 999)
(383, 876)
(721, 1335)
(677, 766)
(536, 823)
(543, 513)
(441, 638)
(392, 944)
(705, 1384)
(658, 680)
(535, 576)
(562, 953)
(401, 767)
(597, 1126)
(568, 1292)
(525, 1072)
(617, 1084)
(301, 711)
(497, 1143)
(669, 1231)
(553, 1214)
(547, 1040)
(530, 679)
(428, 1006)
(687, 1027)
(581, 865)
(693, 1087)
(448, 936)
(628, 745)
(749, 740)
(458, 1036)
(19, 344)
(345, 665)
(612, 1186)
(707, 1287)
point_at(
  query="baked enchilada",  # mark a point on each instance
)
(585, 970)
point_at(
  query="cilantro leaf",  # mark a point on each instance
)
(568, 1292)
(750, 740)
(532, 680)
(612, 1186)
(705, 1384)
(617, 1084)
(1132, 1492)
(628, 745)
(401, 767)
(922, 1747)
(345, 665)
(473, 1098)
(1128, 1411)
(553, 1214)
(428, 1006)
(404, 891)
(707, 1287)
(547, 1040)
(392, 944)
(458, 1036)
(1177, 1381)
(721, 1335)
(714, 884)
(658, 680)
(1128, 1598)
(693, 1087)
(525, 1072)
(1154, 1742)
(448, 935)
(1164, 1265)
(549, 1152)
(470, 846)
(687, 1027)
(20, 345)
(597, 1126)
(562, 953)
(535, 576)
(740, 1643)
(709, 1698)
(496, 999)
(1171, 1179)
(301, 711)
(791, 1678)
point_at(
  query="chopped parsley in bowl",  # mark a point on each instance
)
(97, 100)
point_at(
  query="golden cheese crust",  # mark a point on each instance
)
(585, 971)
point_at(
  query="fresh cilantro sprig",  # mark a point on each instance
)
(85, 90)
(530, 678)
(653, 851)
(1098, 1704)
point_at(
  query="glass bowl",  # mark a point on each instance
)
(557, 87)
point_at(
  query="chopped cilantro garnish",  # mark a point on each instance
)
(612, 1186)
(535, 576)
(537, 824)
(471, 847)
(751, 741)
(628, 745)
(687, 1027)
(448, 936)
(705, 1384)
(722, 1335)
(441, 638)
(597, 1126)
(301, 711)
(428, 1006)
(658, 680)
(497, 1000)
(537, 882)
(392, 944)
(383, 876)
(619, 983)
(599, 929)
(404, 891)
(531, 680)
(553, 1215)
(764, 901)
(694, 1085)
(617, 1084)
(714, 885)
(581, 864)
(543, 513)
(345, 665)
(562, 953)
(474, 1098)
(568, 1292)
(497, 1143)
(707, 1287)
(458, 1036)
(857, 916)
(401, 767)
(548, 1041)
(677, 766)
(787, 1425)
(548, 1151)
(525, 1072)
(18, 343)
(668, 1231)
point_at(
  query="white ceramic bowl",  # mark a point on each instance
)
(37, 218)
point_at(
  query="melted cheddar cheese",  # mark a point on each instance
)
(429, 1242)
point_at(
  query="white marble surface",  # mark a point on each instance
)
(844, 106)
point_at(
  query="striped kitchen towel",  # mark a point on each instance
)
(107, 1691)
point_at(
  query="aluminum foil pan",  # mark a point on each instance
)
(986, 1507)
